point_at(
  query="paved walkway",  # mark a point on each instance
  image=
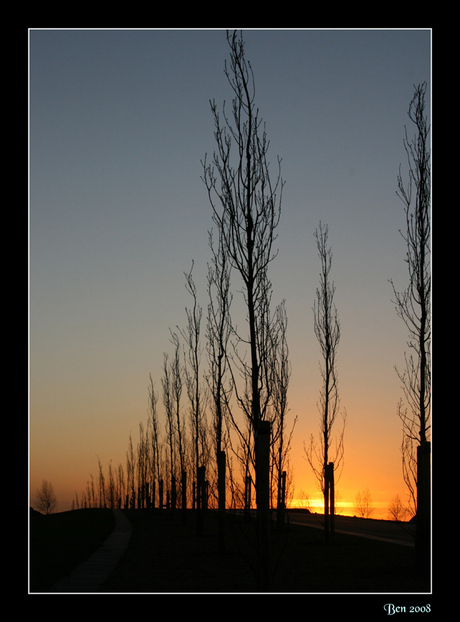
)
(385, 531)
(92, 573)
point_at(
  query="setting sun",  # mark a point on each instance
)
(226, 229)
(344, 508)
(118, 214)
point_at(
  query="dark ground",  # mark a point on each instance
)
(59, 542)
(165, 556)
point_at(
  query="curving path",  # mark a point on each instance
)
(92, 573)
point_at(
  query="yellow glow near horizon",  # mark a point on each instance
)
(317, 505)
(344, 508)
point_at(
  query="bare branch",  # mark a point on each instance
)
(246, 210)
(327, 331)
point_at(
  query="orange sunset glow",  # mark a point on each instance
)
(120, 123)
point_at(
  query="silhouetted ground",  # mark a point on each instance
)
(165, 556)
(59, 542)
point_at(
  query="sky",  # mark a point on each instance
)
(119, 123)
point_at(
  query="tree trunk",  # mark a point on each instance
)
(423, 525)
(263, 508)
(221, 465)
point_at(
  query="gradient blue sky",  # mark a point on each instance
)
(119, 121)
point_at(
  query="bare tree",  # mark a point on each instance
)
(143, 465)
(130, 473)
(177, 386)
(248, 206)
(396, 509)
(102, 490)
(218, 331)
(172, 391)
(281, 370)
(154, 435)
(327, 331)
(111, 487)
(166, 383)
(413, 306)
(45, 498)
(246, 210)
(191, 336)
(121, 484)
(364, 507)
(92, 495)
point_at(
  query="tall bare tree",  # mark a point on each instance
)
(246, 204)
(120, 484)
(130, 472)
(91, 492)
(327, 331)
(246, 210)
(166, 383)
(413, 306)
(111, 487)
(143, 465)
(281, 372)
(193, 372)
(102, 488)
(177, 386)
(154, 435)
(218, 331)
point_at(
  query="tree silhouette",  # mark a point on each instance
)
(396, 509)
(143, 465)
(218, 330)
(154, 435)
(193, 373)
(364, 507)
(130, 473)
(46, 499)
(281, 373)
(246, 210)
(171, 382)
(327, 331)
(102, 488)
(413, 306)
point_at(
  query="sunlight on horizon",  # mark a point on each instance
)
(118, 210)
(344, 508)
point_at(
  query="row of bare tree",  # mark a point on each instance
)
(235, 377)
(181, 438)
(248, 367)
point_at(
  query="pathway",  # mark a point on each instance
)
(386, 531)
(92, 573)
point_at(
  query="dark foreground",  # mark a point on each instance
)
(59, 542)
(165, 556)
